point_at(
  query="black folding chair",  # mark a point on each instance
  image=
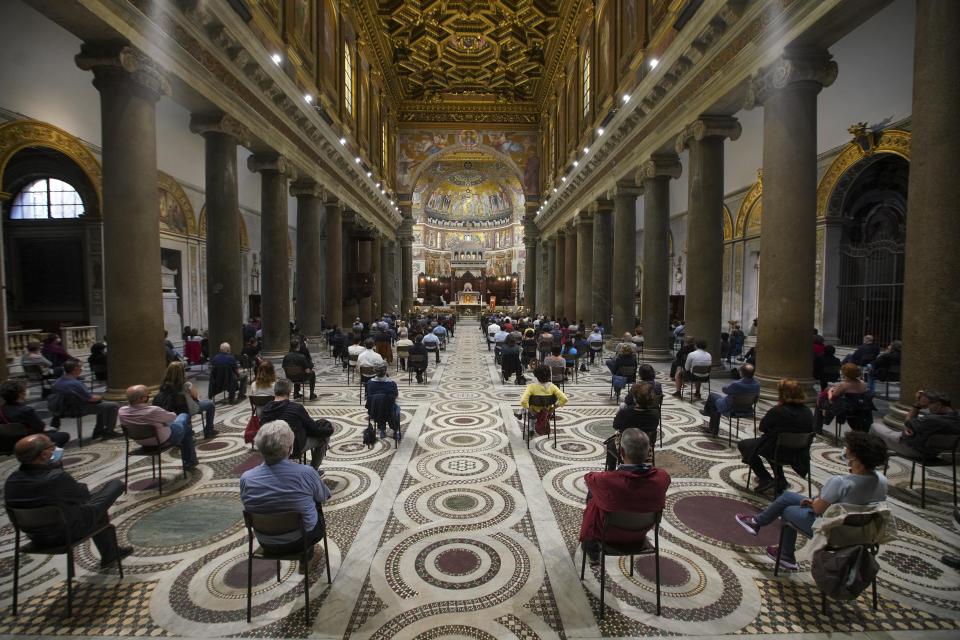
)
(46, 519)
(34, 373)
(596, 347)
(935, 447)
(558, 376)
(699, 373)
(628, 371)
(542, 403)
(402, 354)
(367, 372)
(785, 449)
(138, 432)
(351, 365)
(416, 362)
(298, 376)
(72, 408)
(627, 521)
(273, 524)
(742, 405)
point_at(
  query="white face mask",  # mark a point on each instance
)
(57, 455)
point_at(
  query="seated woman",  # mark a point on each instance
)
(15, 410)
(625, 358)
(179, 396)
(845, 400)
(790, 415)
(528, 347)
(98, 361)
(510, 361)
(826, 367)
(542, 387)
(643, 412)
(865, 485)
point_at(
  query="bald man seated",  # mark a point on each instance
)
(172, 428)
(42, 482)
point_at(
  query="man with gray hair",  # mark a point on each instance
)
(636, 486)
(308, 433)
(279, 484)
(172, 428)
(225, 375)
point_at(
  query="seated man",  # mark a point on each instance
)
(225, 375)
(698, 357)
(641, 412)
(35, 358)
(441, 332)
(510, 361)
(381, 405)
(41, 481)
(172, 428)
(717, 405)
(279, 485)
(865, 353)
(431, 342)
(416, 350)
(16, 410)
(826, 367)
(403, 341)
(297, 358)
(635, 486)
(355, 348)
(69, 385)
(555, 360)
(882, 367)
(383, 341)
(594, 337)
(309, 433)
(789, 415)
(931, 415)
(864, 485)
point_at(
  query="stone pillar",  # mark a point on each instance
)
(350, 255)
(405, 236)
(550, 288)
(584, 267)
(704, 297)
(570, 275)
(130, 85)
(334, 263)
(221, 134)
(530, 243)
(601, 280)
(624, 196)
(559, 273)
(931, 343)
(4, 371)
(376, 270)
(365, 266)
(788, 92)
(274, 172)
(309, 197)
(387, 275)
(655, 288)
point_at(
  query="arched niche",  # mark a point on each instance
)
(176, 212)
(244, 238)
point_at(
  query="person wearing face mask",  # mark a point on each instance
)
(16, 410)
(41, 482)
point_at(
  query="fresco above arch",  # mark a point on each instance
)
(244, 238)
(176, 212)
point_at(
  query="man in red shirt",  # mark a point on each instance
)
(635, 486)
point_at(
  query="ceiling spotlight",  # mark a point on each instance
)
(343, 141)
(626, 98)
(563, 178)
(377, 185)
(391, 203)
(383, 191)
(369, 173)
(277, 58)
(600, 131)
(554, 189)
(653, 63)
(586, 149)
(357, 160)
(309, 98)
(576, 164)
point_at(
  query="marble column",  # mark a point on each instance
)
(584, 267)
(931, 344)
(570, 275)
(376, 271)
(704, 296)
(549, 288)
(309, 197)
(365, 267)
(624, 196)
(4, 371)
(655, 287)
(601, 280)
(275, 170)
(334, 263)
(221, 134)
(788, 90)
(130, 85)
(530, 242)
(405, 236)
(387, 275)
(559, 273)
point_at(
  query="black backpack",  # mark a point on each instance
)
(843, 574)
(369, 436)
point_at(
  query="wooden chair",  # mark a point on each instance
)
(138, 432)
(742, 405)
(784, 450)
(936, 446)
(351, 365)
(48, 518)
(402, 354)
(278, 524)
(627, 521)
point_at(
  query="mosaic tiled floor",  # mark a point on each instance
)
(462, 532)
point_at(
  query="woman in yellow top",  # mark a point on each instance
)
(542, 387)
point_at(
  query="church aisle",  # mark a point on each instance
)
(463, 532)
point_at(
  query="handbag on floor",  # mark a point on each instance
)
(250, 431)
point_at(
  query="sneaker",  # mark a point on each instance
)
(748, 523)
(786, 563)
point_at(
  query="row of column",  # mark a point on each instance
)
(787, 91)
(130, 85)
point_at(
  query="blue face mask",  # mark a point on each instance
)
(57, 455)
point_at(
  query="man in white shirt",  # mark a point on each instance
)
(595, 336)
(698, 357)
(432, 343)
(369, 356)
(403, 341)
(492, 328)
(355, 349)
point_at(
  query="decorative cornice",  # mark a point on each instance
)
(306, 188)
(113, 61)
(708, 127)
(814, 67)
(271, 162)
(203, 124)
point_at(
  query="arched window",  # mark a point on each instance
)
(47, 198)
(585, 84)
(348, 78)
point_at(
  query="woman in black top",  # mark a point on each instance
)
(15, 410)
(642, 412)
(790, 415)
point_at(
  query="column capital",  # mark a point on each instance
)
(272, 162)
(330, 200)
(600, 206)
(708, 127)
(584, 217)
(550, 242)
(114, 61)
(204, 123)
(405, 231)
(625, 188)
(530, 231)
(306, 188)
(800, 65)
(660, 165)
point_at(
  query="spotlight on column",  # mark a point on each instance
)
(576, 164)
(377, 185)
(554, 189)
(563, 178)
(626, 98)
(600, 131)
(309, 98)
(343, 141)
(357, 160)
(391, 203)
(653, 63)
(369, 174)
(586, 150)
(277, 58)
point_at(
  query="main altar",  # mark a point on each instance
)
(468, 302)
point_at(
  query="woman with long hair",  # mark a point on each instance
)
(180, 396)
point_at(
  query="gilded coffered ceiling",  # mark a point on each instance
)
(444, 57)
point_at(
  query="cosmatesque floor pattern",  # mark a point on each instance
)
(465, 532)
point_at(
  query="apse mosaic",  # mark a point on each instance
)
(467, 531)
